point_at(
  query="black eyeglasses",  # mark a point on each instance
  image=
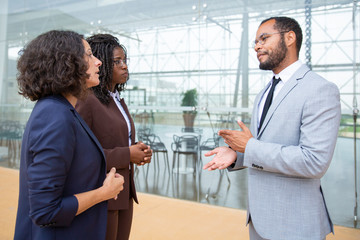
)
(262, 38)
(121, 62)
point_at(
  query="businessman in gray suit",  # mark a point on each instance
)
(290, 143)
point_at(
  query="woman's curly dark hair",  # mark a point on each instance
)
(102, 46)
(53, 63)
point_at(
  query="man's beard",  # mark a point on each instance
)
(276, 57)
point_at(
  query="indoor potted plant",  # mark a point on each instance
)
(189, 99)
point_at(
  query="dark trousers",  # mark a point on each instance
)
(119, 223)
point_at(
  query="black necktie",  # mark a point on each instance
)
(268, 101)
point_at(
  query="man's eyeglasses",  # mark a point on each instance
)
(121, 62)
(262, 38)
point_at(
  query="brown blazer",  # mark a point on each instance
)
(110, 128)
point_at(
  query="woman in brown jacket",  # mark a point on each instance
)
(108, 117)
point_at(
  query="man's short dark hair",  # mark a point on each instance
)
(53, 63)
(283, 24)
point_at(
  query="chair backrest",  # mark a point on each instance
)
(186, 143)
(155, 143)
(143, 135)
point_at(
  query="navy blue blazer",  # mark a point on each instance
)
(60, 157)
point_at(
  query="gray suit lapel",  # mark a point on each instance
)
(290, 84)
(254, 119)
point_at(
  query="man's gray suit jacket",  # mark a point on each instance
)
(289, 155)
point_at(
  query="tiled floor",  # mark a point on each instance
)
(159, 218)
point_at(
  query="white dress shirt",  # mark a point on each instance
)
(116, 98)
(284, 75)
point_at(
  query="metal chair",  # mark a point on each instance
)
(187, 145)
(158, 147)
(10, 136)
(143, 135)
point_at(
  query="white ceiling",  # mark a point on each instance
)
(29, 18)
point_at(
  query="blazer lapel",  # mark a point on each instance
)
(87, 129)
(82, 122)
(122, 102)
(254, 121)
(292, 82)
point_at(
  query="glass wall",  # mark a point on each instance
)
(175, 46)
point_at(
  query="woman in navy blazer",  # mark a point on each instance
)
(63, 182)
(108, 117)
